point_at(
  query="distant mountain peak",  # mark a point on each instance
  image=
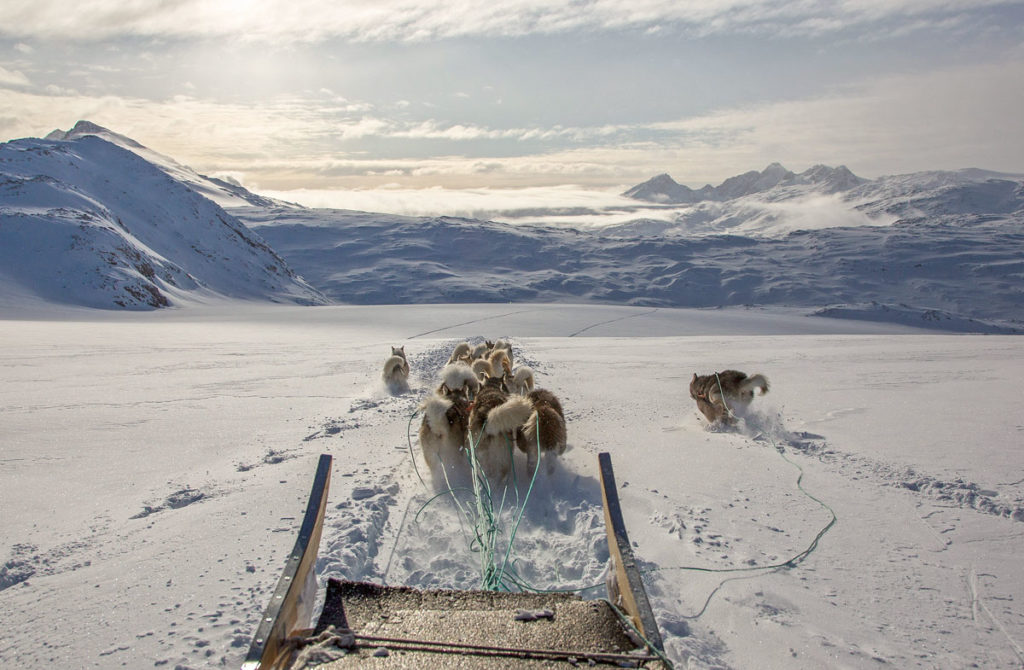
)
(224, 193)
(663, 189)
(85, 127)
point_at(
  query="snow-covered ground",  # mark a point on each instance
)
(154, 468)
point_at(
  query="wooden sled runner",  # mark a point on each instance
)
(403, 627)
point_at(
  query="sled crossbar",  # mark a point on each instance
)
(283, 615)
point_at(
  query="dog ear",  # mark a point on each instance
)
(694, 377)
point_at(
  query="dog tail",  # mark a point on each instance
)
(551, 427)
(395, 367)
(508, 416)
(435, 409)
(753, 382)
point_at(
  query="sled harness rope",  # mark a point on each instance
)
(480, 514)
(486, 527)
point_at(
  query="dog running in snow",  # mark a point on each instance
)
(720, 394)
(396, 370)
(544, 431)
(493, 422)
(443, 429)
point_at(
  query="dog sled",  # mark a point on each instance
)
(369, 625)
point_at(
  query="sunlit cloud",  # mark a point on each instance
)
(412, 20)
(946, 119)
(486, 203)
(12, 78)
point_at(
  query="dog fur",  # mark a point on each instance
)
(460, 377)
(493, 423)
(719, 395)
(461, 350)
(482, 369)
(443, 429)
(545, 428)
(506, 346)
(396, 369)
(522, 380)
(500, 361)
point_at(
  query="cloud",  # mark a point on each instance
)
(12, 78)
(946, 119)
(417, 20)
(486, 203)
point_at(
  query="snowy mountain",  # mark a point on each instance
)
(90, 217)
(663, 189)
(954, 274)
(86, 222)
(221, 191)
(777, 200)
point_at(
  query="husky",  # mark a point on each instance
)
(396, 370)
(720, 394)
(461, 351)
(544, 429)
(459, 377)
(482, 369)
(443, 429)
(480, 351)
(522, 380)
(493, 423)
(507, 346)
(500, 361)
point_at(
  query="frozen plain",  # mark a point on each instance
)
(154, 469)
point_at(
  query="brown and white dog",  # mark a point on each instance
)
(493, 422)
(720, 394)
(544, 431)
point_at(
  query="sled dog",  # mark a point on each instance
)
(522, 380)
(506, 346)
(459, 377)
(493, 423)
(720, 394)
(482, 369)
(443, 429)
(396, 370)
(460, 352)
(544, 429)
(500, 361)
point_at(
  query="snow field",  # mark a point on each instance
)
(155, 469)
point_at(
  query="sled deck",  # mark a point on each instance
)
(365, 625)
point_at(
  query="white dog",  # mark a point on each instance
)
(460, 352)
(396, 370)
(460, 377)
(522, 380)
(443, 430)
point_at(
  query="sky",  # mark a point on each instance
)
(430, 98)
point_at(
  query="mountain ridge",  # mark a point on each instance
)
(821, 179)
(88, 222)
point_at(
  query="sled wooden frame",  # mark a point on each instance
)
(281, 619)
(270, 650)
(631, 587)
